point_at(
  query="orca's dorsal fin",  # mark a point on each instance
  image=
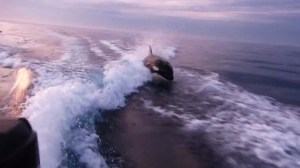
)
(150, 50)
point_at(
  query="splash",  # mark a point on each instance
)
(69, 93)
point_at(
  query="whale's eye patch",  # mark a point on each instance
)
(155, 68)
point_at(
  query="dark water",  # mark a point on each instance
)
(263, 69)
(237, 103)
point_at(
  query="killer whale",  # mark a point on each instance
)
(159, 65)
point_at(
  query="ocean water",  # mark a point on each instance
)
(239, 101)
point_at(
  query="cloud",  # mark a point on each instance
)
(241, 10)
(223, 10)
(255, 18)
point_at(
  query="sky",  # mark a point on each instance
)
(265, 21)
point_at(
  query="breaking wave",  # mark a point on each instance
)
(69, 93)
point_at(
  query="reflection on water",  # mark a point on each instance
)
(218, 95)
(19, 90)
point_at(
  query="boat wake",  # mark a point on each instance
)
(90, 75)
(245, 129)
(70, 92)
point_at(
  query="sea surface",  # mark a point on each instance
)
(236, 103)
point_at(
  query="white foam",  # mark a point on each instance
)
(75, 50)
(166, 113)
(243, 123)
(72, 89)
(270, 128)
(112, 45)
(95, 48)
(85, 145)
(9, 57)
(69, 90)
(10, 62)
(169, 52)
(3, 55)
(51, 112)
(61, 96)
(121, 78)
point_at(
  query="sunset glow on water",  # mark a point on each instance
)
(76, 71)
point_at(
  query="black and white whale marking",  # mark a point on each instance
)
(159, 65)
